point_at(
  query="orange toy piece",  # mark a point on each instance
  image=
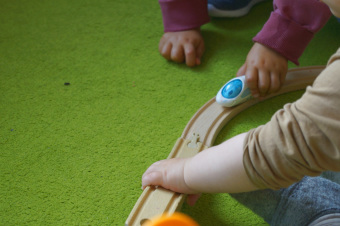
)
(177, 219)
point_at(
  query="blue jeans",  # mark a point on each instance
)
(300, 204)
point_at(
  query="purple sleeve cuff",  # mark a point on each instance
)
(289, 29)
(285, 37)
(180, 15)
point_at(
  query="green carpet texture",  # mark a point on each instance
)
(87, 104)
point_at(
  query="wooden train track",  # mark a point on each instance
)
(199, 134)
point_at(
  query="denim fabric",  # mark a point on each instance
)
(299, 204)
(229, 4)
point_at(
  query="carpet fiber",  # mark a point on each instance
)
(87, 104)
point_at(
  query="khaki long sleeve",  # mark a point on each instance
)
(301, 139)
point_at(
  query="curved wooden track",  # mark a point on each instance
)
(199, 134)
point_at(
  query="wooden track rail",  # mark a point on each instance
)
(199, 134)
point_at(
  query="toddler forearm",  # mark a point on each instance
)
(219, 169)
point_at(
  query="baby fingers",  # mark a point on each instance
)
(152, 178)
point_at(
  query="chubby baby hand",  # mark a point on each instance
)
(169, 174)
(183, 46)
(265, 70)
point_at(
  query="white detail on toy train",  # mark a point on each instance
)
(234, 92)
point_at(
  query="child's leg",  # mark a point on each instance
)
(327, 220)
(230, 8)
(333, 176)
(299, 204)
(263, 202)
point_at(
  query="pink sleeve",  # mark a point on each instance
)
(292, 25)
(180, 15)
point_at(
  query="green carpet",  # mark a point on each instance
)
(87, 104)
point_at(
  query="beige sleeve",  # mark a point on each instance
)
(301, 139)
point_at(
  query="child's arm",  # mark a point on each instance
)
(286, 34)
(217, 169)
(300, 139)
